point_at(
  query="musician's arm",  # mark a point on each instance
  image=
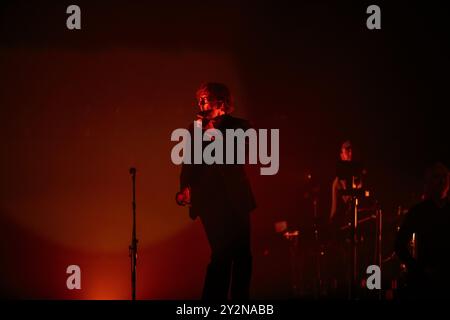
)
(186, 176)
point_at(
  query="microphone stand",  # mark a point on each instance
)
(357, 193)
(318, 252)
(133, 247)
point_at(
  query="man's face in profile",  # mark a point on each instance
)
(208, 102)
(346, 153)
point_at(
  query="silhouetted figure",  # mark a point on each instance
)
(221, 195)
(429, 224)
(347, 179)
(340, 204)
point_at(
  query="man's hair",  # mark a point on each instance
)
(346, 144)
(218, 91)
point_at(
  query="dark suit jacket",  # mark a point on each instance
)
(218, 186)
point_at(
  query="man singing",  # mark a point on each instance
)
(221, 195)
